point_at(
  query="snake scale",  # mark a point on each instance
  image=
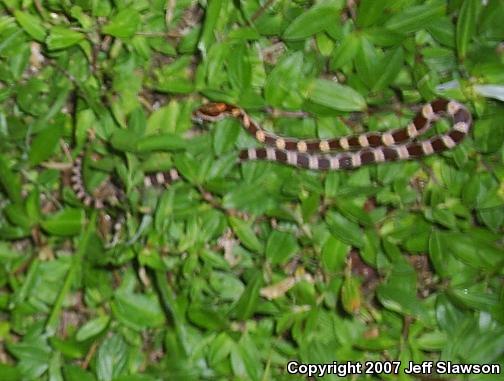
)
(315, 154)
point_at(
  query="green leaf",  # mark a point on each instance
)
(161, 142)
(92, 328)
(245, 306)
(68, 347)
(449, 317)
(283, 84)
(310, 205)
(346, 51)
(350, 209)
(245, 196)
(351, 295)
(492, 217)
(315, 20)
(246, 359)
(226, 284)
(474, 252)
(415, 18)
(375, 344)
(443, 31)
(138, 311)
(333, 95)
(345, 230)
(10, 181)
(9, 372)
(125, 140)
(324, 44)
(13, 232)
(475, 297)
(246, 235)
(31, 25)
(370, 11)
(124, 24)
(33, 355)
(399, 292)
(44, 144)
(212, 14)
(239, 67)
(220, 348)
(33, 206)
(86, 119)
(438, 252)
(16, 214)
(334, 254)
(111, 358)
(281, 247)
(189, 167)
(61, 38)
(207, 318)
(432, 341)
(225, 136)
(76, 373)
(466, 25)
(390, 66)
(366, 62)
(67, 222)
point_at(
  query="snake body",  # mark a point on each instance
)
(108, 193)
(314, 154)
(358, 150)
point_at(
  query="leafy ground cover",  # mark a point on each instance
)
(236, 269)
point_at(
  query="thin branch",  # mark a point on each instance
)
(170, 6)
(290, 114)
(89, 355)
(261, 10)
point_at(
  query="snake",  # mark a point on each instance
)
(357, 150)
(339, 153)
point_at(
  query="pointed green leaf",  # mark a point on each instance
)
(280, 247)
(390, 66)
(315, 20)
(245, 234)
(345, 230)
(466, 25)
(333, 95)
(245, 306)
(416, 18)
(92, 328)
(124, 24)
(44, 144)
(31, 25)
(61, 37)
(66, 222)
(10, 181)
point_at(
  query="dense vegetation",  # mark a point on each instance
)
(236, 269)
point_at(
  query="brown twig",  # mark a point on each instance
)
(290, 114)
(153, 34)
(41, 10)
(89, 355)
(208, 197)
(261, 10)
(170, 6)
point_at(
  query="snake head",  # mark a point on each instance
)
(213, 111)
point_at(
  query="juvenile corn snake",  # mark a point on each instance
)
(315, 154)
